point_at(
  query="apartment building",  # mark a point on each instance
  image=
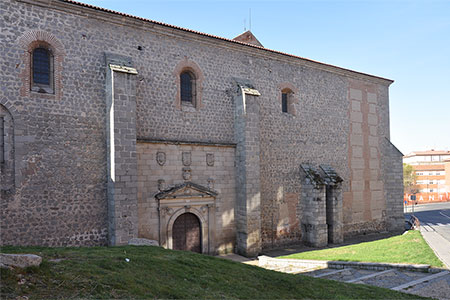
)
(433, 174)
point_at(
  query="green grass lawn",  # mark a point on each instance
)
(153, 272)
(409, 248)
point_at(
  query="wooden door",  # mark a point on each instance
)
(186, 233)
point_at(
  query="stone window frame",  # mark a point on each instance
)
(292, 98)
(190, 66)
(28, 42)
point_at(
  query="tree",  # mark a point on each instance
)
(409, 179)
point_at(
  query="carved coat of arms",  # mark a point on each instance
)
(186, 157)
(161, 184)
(210, 159)
(210, 183)
(187, 173)
(161, 158)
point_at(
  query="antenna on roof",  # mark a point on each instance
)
(250, 19)
(245, 27)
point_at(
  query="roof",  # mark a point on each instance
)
(249, 38)
(434, 167)
(213, 36)
(428, 152)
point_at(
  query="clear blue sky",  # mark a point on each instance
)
(407, 41)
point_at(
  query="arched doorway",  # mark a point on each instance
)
(186, 233)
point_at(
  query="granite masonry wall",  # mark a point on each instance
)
(61, 167)
(211, 166)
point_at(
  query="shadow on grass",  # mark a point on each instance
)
(300, 248)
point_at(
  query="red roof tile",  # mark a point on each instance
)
(212, 36)
(428, 152)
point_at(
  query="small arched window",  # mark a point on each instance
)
(42, 70)
(189, 78)
(187, 87)
(287, 101)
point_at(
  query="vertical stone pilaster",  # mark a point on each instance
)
(121, 149)
(334, 204)
(248, 198)
(334, 214)
(314, 207)
(393, 182)
(314, 222)
(211, 229)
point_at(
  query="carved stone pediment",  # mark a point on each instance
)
(185, 191)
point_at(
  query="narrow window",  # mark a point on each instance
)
(284, 102)
(41, 67)
(186, 87)
(2, 140)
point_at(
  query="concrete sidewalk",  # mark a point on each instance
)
(440, 245)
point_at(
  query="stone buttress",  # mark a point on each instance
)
(248, 197)
(121, 149)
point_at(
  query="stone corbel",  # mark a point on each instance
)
(123, 69)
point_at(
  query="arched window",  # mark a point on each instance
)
(42, 70)
(42, 61)
(187, 87)
(288, 98)
(286, 101)
(189, 78)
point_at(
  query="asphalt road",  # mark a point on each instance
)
(436, 215)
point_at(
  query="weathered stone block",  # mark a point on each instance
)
(142, 242)
(20, 260)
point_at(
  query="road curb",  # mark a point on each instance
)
(438, 244)
(266, 261)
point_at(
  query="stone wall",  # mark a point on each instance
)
(7, 153)
(61, 166)
(393, 166)
(317, 134)
(120, 90)
(161, 166)
(365, 204)
(59, 196)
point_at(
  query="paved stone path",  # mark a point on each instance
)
(413, 279)
(436, 285)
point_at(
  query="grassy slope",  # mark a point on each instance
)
(409, 248)
(153, 272)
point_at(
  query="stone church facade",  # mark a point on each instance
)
(104, 145)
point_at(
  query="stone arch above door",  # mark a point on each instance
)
(187, 198)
